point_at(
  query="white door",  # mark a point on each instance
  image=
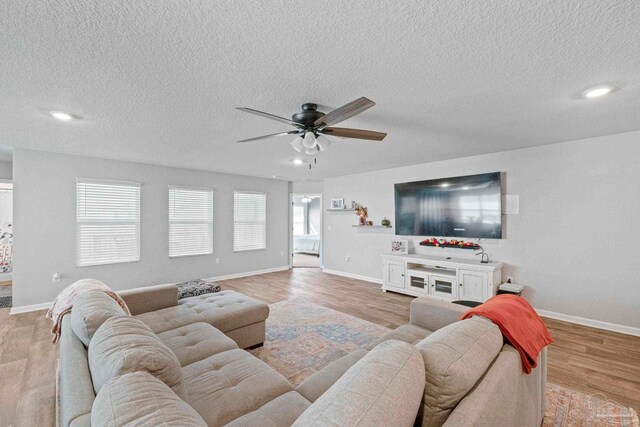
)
(445, 287)
(394, 274)
(473, 285)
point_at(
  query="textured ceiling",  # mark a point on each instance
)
(157, 81)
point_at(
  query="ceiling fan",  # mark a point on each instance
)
(310, 124)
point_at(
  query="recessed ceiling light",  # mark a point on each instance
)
(598, 91)
(297, 162)
(465, 188)
(60, 115)
(444, 184)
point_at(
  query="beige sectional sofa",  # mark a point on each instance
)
(181, 364)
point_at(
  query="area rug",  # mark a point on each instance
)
(571, 408)
(303, 338)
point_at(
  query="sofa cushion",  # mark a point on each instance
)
(231, 384)
(138, 398)
(226, 311)
(455, 358)
(314, 386)
(195, 342)
(280, 412)
(384, 388)
(90, 310)
(124, 344)
(408, 333)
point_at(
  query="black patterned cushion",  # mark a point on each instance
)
(194, 288)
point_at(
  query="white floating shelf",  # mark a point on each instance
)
(341, 210)
(372, 226)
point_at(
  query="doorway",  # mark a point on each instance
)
(6, 242)
(306, 215)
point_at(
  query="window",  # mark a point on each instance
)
(107, 222)
(190, 221)
(249, 221)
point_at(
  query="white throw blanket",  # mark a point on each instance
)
(64, 301)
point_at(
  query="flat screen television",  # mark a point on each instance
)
(463, 206)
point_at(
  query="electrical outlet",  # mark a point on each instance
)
(281, 253)
(328, 228)
(347, 258)
(55, 277)
(217, 260)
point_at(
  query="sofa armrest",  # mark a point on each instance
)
(150, 298)
(433, 314)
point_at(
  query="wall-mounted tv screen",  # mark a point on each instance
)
(463, 206)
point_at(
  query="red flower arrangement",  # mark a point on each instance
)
(442, 243)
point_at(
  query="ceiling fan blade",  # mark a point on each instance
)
(292, 132)
(269, 116)
(343, 113)
(354, 133)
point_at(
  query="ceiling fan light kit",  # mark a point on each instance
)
(309, 140)
(311, 124)
(297, 144)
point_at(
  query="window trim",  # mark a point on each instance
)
(188, 187)
(114, 182)
(233, 243)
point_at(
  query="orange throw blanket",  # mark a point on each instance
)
(519, 324)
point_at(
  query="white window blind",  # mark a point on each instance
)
(249, 221)
(190, 221)
(107, 222)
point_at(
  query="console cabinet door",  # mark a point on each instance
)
(473, 286)
(394, 274)
(445, 287)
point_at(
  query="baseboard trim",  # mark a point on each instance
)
(29, 308)
(353, 276)
(248, 273)
(46, 305)
(598, 324)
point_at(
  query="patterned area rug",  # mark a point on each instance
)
(570, 408)
(303, 338)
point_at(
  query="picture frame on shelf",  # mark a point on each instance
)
(354, 205)
(399, 246)
(337, 203)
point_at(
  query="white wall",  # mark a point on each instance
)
(44, 215)
(575, 244)
(314, 215)
(6, 170)
(306, 187)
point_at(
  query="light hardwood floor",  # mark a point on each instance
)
(586, 359)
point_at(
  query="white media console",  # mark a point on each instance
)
(439, 277)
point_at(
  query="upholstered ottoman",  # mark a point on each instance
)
(238, 316)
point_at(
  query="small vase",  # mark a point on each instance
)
(362, 220)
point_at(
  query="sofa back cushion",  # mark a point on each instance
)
(140, 399)
(455, 358)
(90, 310)
(384, 388)
(124, 344)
